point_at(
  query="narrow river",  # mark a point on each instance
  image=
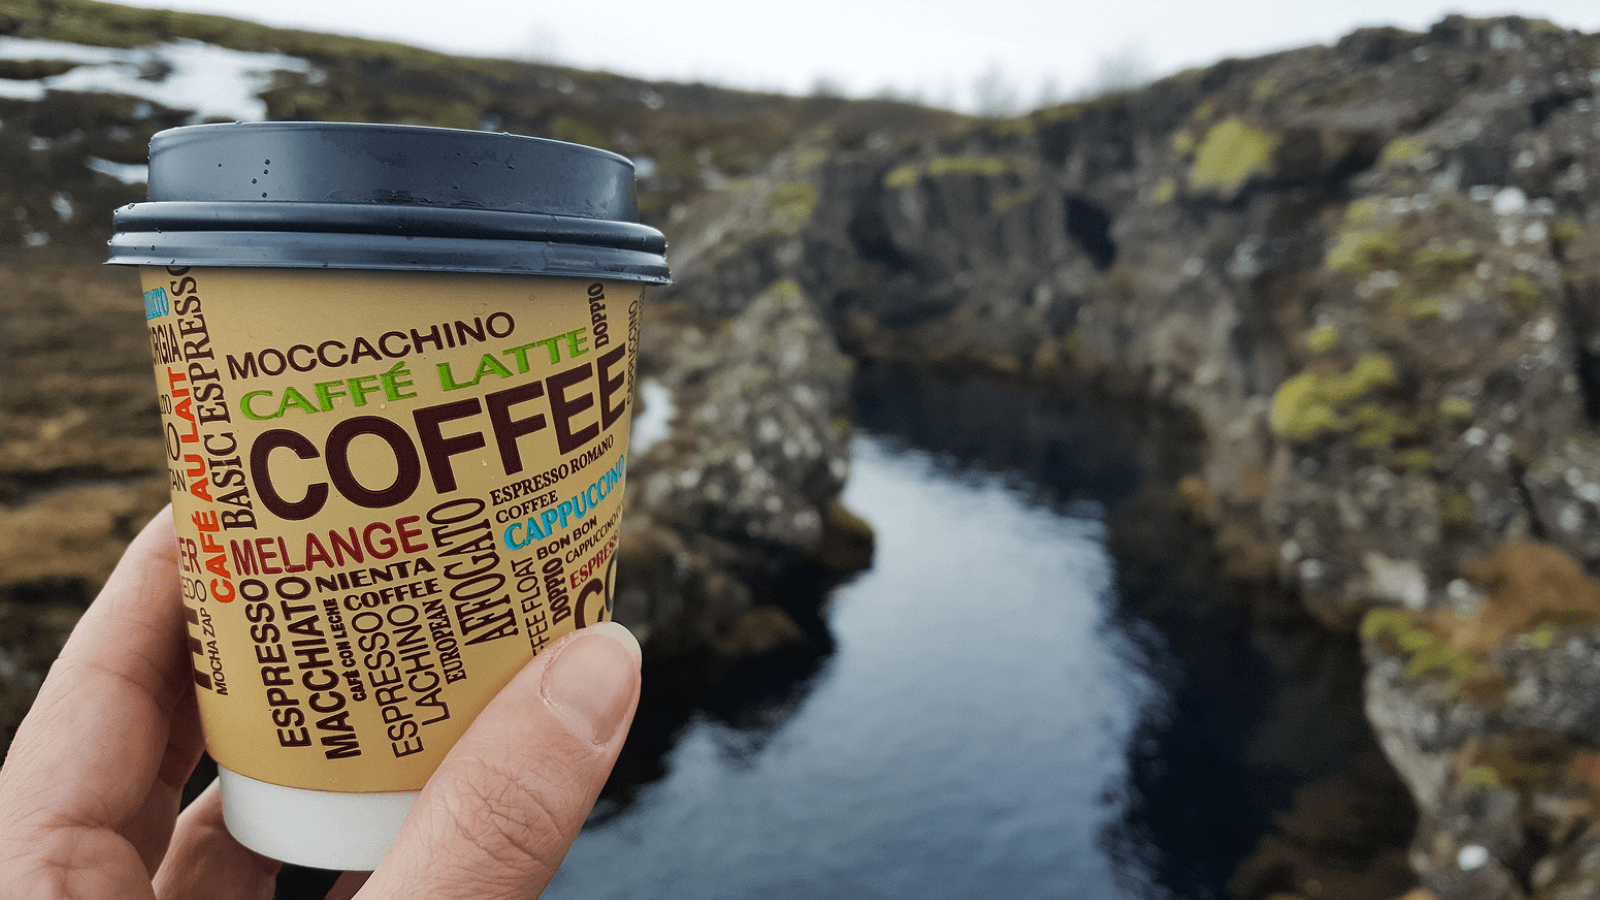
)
(996, 716)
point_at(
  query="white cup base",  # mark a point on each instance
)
(319, 829)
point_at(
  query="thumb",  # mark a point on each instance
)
(499, 815)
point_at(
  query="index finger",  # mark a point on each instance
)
(94, 744)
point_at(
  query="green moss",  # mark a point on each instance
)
(1434, 268)
(1361, 212)
(1006, 201)
(1543, 636)
(808, 158)
(1456, 409)
(1401, 149)
(1378, 427)
(1322, 339)
(1481, 777)
(981, 166)
(1438, 658)
(956, 166)
(794, 200)
(1455, 508)
(1230, 154)
(1415, 460)
(786, 289)
(1428, 654)
(1425, 309)
(1566, 230)
(1386, 620)
(902, 176)
(1361, 250)
(1311, 404)
(1523, 294)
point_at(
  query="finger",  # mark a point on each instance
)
(496, 819)
(206, 862)
(96, 750)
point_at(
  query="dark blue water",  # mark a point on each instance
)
(966, 738)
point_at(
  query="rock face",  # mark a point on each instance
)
(1372, 273)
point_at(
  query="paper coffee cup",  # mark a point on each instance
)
(395, 369)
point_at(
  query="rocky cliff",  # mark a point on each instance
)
(1369, 273)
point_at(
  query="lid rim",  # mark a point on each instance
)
(301, 250)
(383, 219)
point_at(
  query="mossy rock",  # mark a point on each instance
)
(1312, 403)
(1231, 153)
(793, 202)
(1361, 250)
(1427, 652)
(1322, 339)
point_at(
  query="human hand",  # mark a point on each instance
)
(91, 787)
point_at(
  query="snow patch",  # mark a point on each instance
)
(127, 173)
(653, 421)
(213, 82)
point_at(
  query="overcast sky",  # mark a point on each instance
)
(937, 50)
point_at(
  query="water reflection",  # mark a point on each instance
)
(964, 738)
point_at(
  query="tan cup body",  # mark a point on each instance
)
(391, 490)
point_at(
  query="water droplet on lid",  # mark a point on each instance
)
(266, 162)
(263, 195)
(252, 181)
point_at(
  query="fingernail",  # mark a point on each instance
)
(589, 684)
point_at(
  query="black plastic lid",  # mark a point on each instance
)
(353, 196)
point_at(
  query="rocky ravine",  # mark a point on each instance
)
(1371, 272)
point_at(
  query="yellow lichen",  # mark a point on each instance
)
(1401, 149)
(785, 289)
(1311, 404)
(1006, 201)
(793, 202)
(1455, 508)
(1322, 339)
(982, 166)
(1427, 653)
(1566, 230)
(1523, 294)
(1425, 309)
(1361, 212)
(1230, 154)
(1164, 191)
(1455, 409)
(1361, 250)
(1416, 460)
(902, 176)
